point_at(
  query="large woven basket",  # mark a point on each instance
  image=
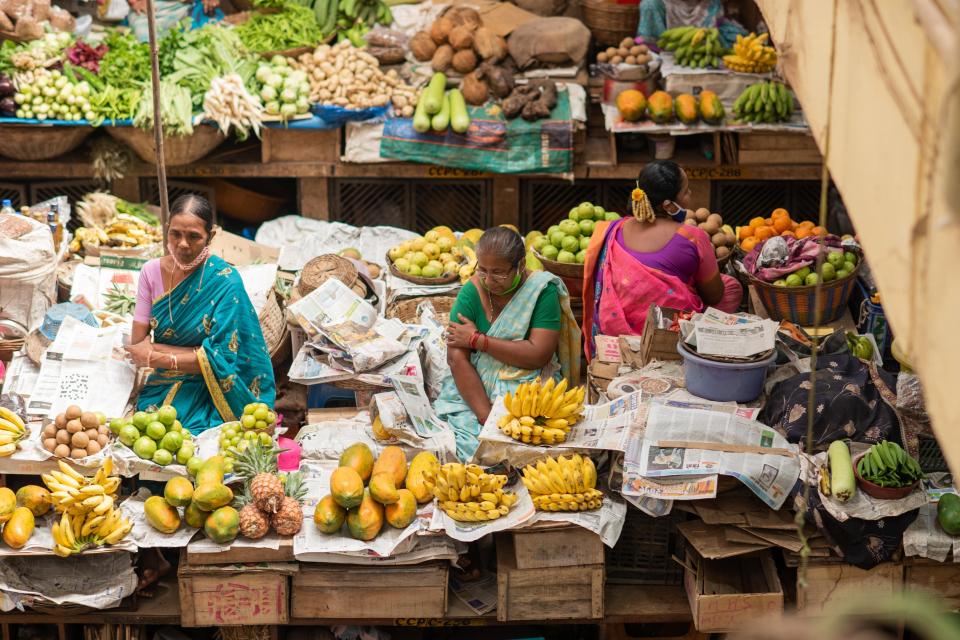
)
(272, 323)
(406, 309)
(571, 274)
(177, 150)
(35, 142)
(610, 22)
(797, 304)
(322, 268)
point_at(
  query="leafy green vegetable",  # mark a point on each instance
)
(204, 54)
(295, 26)
(176, 109)
(126, 64)
(138, 210)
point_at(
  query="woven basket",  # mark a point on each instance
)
(609, 22)
(406, 309)
(177, 150)
(357, 385)
(272, 323)
(571, 274)
(9, 347)
(427, 282)
(322, 268)
(796, 304)
(65, 279)
(34, 142)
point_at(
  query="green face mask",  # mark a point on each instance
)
(513, 287)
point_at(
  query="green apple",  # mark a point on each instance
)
(803, 272)
(566, 256)
(836, 259)
(586, 209)
(586, 227)
(556, 238)
(570, 244)
(828, 272)
(570, 227)
(584, 242)
(811, 280)
(581, 256)
(780, 283)
(145, 447)
(550, 252)
(794, 280)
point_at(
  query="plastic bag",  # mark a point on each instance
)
(383, 37)
(334, 115)
(774, 253)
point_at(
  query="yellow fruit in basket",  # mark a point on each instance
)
(402, 264)
(417, 244)
(445, 243)
(472, 236)
(396, 252)
(431, 236)
(420, 259)
(451, 267)
(431, 271)
(431, 249)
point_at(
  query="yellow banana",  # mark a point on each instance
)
(118, 534)
(110, 485)
(62, 551)
(589, 471)
(545, 390)
(90, 526)
(105, 505)
(8, 450)
(516, 405)
(556, 423)
(12, 418)
(67, 531)
(10, 427)
(92, 490)
(73, 473)
(527, 421)
(508, 402)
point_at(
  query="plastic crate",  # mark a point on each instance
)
(643, 554)
(870, 318)
(327, 396)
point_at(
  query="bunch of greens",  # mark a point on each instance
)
(176, 109)
(192, 59)
(292, 27)
(137, 210)
(126, 65)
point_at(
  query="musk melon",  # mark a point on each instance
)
(8, 502)
(711, 109)
(212, 496)
(211, 471)
(660, 106)
(161, 515)
(328, 515)
(382, 488)
(422, 463)
(402, 512)
(393, 460)
(194, 516)
(359, 457)
(631, 104)
(686, 108)
(222, 525)
(366, 520)
(35, 498)
(19, 528)
(346, 487)
(178, 491)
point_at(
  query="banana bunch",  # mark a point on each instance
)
(12, 430)
(696, 47)
(89, 517)
(542, 413)
(563, 484)
(356, 17)
(751, 55)
(765, 102)
(468, 494)
(89, 235)
(130, 231)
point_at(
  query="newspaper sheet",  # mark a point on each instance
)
(479, 595)
(739, 340)
(423, 548)
(408, 417)
(684, 488)
(98, 581)
(925, 538)
(206, 545)
(21, 376)
(398, 288)
(734, 447)
(607, 521)
(82, 368)
(520, 513)
(653, 507)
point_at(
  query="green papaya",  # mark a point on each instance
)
(948, 513)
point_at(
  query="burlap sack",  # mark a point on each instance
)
(549, 42)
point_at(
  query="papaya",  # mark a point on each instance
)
(35, 498)
(402, 512)
(382, 488)
(346, 487)
(711, 109)
(686, 108)
(358, 457)
(19, 528)
(660, 106)
(212, 496)
(365, 520)
(178, 492)
(161, 515)
(393, 460)
(328, 515)
(470, 237)
(211, 471)
(222, 525)
(424, 463)
(631, 104)
(8, 502)
(948, 513)
(194, 516)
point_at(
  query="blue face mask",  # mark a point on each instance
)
(680, 215)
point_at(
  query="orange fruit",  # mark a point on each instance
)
(818, 231)
(793, 226)
(768, 222)
(764, 233)
(788, 233)
(779, 212)
(748, 244)
(783, 223)
(802, 232)
(807, 224)
(745, 232)
(757, 222)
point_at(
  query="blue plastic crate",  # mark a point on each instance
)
(327, 396)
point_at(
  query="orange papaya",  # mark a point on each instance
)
(660, 106)
(402, 512)
(328, 515)
(686, 108)
(382, 488)
(19, 528)
(365, 520)
(711, 109)
(360, 458)
(632, 105)
(393, 460)
(346, 487)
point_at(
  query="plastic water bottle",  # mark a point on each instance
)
(7, 208)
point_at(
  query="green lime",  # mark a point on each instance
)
(586, 227)
(166, 415)
(128, 434)
(803, 272)
(811, 280)
(567, 257)
(145, 447)
(794, 280)
(550, 252)
(162, 457)
(156, 430)
(140, 420)
(116, 424)
(172, 442)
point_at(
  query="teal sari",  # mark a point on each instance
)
(498, 378)
(210, 310)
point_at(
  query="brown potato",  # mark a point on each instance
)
(602, 56)
(630, 60)
(616, 60)
(50, 431)
(79, 440)
(62, 450)
(78, 453)
(722, 252)
(702, 214)
(50, 444)
(60, 421)
(718, 239)
(89, 420)
(73, 412)
(716, 219)
(63, 437)
(93, 448)
(74, 425)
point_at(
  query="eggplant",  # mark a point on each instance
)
(6, 87)
(7, 106)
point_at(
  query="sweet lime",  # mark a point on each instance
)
(794, 280)
(570, 244)
(566, 256)
(586, 209)
(556, 238)
(140, 420)
(156, 430)
(185, 453)
(116, 424)
(166, 415)
(570, 228)
(586, 227)
(172, 442)
(581, 256)
(128, 434)
(145, 447)
(162, 457)
(550, 252)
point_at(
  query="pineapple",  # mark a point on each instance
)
(289, 517)
(257, 465)
(254, 524)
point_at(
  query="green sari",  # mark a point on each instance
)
(498, 378)
(210, 310)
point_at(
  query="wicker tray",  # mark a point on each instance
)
(36, 142)
(10, 347)
(177, 150)
(562, 269)
(610, 22)
(406, 309)
(796, 304)
(453, 277)
(322, 268)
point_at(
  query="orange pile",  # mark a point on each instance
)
(778, 224)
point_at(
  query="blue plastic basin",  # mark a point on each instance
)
(724, 381)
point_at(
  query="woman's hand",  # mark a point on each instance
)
(140, 352)
(459, 334)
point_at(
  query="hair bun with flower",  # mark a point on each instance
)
(640, 205)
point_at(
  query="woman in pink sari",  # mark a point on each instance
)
(651, 258)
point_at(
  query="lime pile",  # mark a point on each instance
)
(157, 436)
(567, 241)
(434, 255)
(256, 423)
(837, 266)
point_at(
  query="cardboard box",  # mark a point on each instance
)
(241, 555)
(831, 581)
(608, 349)
(241, 252)
(282, 144)
(653, 344)
(556, 546)
(727, 594)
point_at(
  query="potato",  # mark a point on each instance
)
(611, 51)
(602, 56)
(630, 60)
(49, 444)
(62, 437)
(722, 252)
(442, 58)
(461, 38)
(422, 46)
(464, 61)
(73, 426)
(716, 219)
(627, 42)
(702, 214)
(441, 29)
(635, 50)
(616, 60)
(623, 52)
(729, 239)
(718, 239)
(62, 450)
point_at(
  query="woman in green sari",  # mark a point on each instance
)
(207, 353)
(507, 326)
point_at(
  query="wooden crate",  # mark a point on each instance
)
(555, 546)
(300, 145)
(370, 592)
(940, 578)
(562, 593)
(233, 595)
(727, 594)
(242, 555)
(778, 148)
(832, 581)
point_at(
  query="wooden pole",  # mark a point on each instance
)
(157, 118)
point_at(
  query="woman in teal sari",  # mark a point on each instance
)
(507, 326)
(208, 356)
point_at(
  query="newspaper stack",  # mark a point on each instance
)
(729, 337)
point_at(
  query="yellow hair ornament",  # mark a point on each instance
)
(642, 210)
